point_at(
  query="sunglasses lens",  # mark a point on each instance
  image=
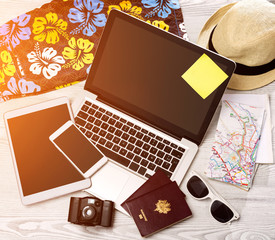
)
(221, 212)
(197, 188)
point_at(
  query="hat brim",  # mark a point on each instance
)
(237, 82)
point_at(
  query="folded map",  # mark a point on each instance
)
(237, 139)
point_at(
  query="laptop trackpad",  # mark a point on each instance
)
(108, 182)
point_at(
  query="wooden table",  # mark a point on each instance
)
(48, 220)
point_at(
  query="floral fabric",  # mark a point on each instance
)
(53, 46)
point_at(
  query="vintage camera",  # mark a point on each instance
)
(91, 211)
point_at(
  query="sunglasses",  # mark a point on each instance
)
(220, 209)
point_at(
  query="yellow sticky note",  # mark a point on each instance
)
(204, 76)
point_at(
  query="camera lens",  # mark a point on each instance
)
(88, 212)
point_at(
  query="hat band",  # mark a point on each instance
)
(242, 69)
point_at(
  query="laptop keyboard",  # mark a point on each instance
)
(128, 144)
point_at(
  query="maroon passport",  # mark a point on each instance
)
(159, 179)
(158, 209)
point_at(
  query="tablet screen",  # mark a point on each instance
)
(40, 165)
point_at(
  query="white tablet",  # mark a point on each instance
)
(41, 170)
(77, 148)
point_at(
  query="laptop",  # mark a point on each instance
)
(140, 112)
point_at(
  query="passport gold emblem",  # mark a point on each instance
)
(162, 206)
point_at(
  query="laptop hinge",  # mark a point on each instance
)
(139, 119)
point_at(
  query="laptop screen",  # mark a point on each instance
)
(138, 69)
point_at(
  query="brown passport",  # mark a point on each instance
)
(158, 180)
(158, 209)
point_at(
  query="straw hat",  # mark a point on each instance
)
(244, 32)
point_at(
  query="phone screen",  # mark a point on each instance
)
(78, 148)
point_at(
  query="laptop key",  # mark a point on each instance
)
(130, 124)
(112, 121)
(142, 170)
(153, 150)
(123, 120)
(132, 140)
(168, 157)
(116, 148)
(153, 142)
(116, 140)
(137, 150)
(91, 111)
(174, 164)
(104, 126)
(95, 106)
(82, 129)
(114, 156)
(139, 143)
(123, 151)
(151, 158)
(97, 122)
(160, 154)
(125, 136)
(102, 133)
(137, 127)
(109, 136)
(95, 137)
(130, 147)
(123, 143)
(151, 166)
(139, 135)
(89, 126)
(167, 149)
(152, 134)
(80, 121)
(146, 139)
(144, 154)
(102, 110)
(144, 163)
(118, 133)
(125, 128)
(130, 155)
(174, 145)
(98, 114)
(144, 131)
(158, 161)
(84, 108)
(109, 144)
(132, 132)
(88, 134)
(91, 119)
(159, 138)
(102, 141)
(137, 159)
(134, 166)
(166, 165)
(88, 103)
(82, 115)
(105, 118)
(146, 147)
(160, 146)
(176, 154)
(95, 129)
(111, 129)
(109, 113)
(181, 149)
(118, 125)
